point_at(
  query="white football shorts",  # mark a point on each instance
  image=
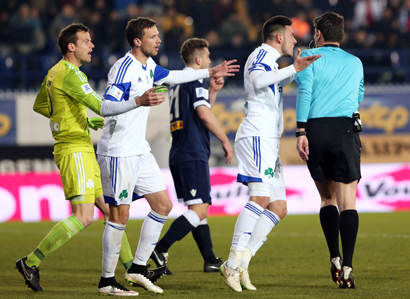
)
(125, 179)
(259, 161)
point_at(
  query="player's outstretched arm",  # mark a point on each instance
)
(225, 69)
(302, 63)
(150, 98)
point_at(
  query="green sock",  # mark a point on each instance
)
(126, 257)
(59, 234)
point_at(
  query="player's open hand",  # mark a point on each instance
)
(150, 98)
(216, 83)
(224, 69)
(301, 63)
(302, 146)
(228, 151)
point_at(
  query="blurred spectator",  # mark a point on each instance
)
(26, 32)
(66, 17)
(222, 11)
(5, 45)
(367, 12)
(213, 39)
(202, 12)
(301, 28)
(97, 30)
(132, 12)
(115, 32)
(405, 16)
(177, 28)
(233, 32)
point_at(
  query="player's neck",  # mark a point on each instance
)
(141, 57)
(72, 59)
(274, 45)
(193, 66)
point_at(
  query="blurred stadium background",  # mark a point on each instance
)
(377, 31)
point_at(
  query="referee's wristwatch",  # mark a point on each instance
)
(301, 133)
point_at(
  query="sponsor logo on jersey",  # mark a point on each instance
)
(151, 74)
(202, 93)
(90, 184)
(124, 194)
(193, 192)
(139, 79)
(177, 125)
(115, 92)
(87, 88)
(269, 172)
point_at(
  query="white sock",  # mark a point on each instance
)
(150, 232)
(192, 217)
(266, 222)
(244, 228)
(111, 248)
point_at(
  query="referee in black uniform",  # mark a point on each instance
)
(328, 125)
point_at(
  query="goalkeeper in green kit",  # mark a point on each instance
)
(63, 98)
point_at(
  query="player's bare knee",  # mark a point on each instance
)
(164, 208)
(202, 214)
(87, 220)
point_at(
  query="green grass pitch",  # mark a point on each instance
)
(293, 263)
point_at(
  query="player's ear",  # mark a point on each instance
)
(198, 60)
(137, 42)
(71, 47)
(279, 38)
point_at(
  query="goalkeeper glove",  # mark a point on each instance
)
(161, 89)
(95, 123)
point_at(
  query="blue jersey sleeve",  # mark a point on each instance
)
(304, 79)
(258, 64)
(118, 92)
(160, 73)
(200, 94)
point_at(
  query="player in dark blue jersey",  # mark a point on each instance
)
(191, 121)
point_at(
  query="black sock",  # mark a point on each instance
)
(349, 225)
(109, 281)
(178, 229)
(329, 219)
(137, 269)
(202, 236)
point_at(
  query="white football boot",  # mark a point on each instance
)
(231, 277)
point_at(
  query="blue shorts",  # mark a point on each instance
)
(192, 184)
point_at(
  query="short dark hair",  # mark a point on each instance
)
(69, 35)
(135, 29)
(331, 25)
(190, 47)
(274, 25)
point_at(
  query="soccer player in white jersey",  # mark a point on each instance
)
(128, 169)
(257, 147)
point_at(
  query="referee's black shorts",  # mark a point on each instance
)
(334, 149)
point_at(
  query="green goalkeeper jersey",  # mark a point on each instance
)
(63, 98)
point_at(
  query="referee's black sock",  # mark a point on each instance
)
(178, 230)
(349, 225)
(202, 236)
(329, 219)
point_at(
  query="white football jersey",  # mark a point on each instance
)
(124, 134)
(264, 106)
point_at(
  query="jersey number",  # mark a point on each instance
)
(174, 102)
